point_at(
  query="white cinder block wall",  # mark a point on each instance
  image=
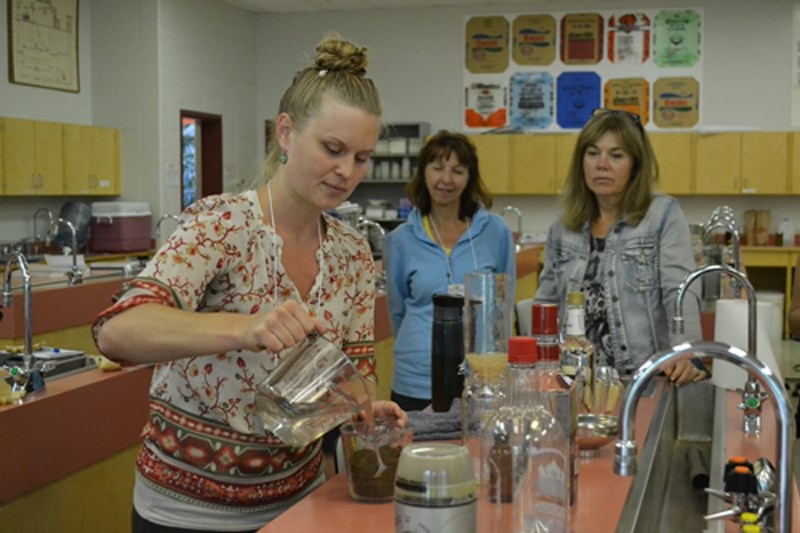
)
(143, 60)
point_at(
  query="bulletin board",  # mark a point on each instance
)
(547, 72)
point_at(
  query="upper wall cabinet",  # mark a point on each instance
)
(565, 146)
(675, 155)
(91, 160)
(532, 164)
(494, 157)
(32, 157)
(742, 163)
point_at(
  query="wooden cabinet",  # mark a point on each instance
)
(91, 160)
(794, 178)
(742, 163)
(675, 155)
(565, 146)
(32, 157)
(494, 157)
(532, 164)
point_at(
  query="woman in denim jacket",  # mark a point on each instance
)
(624, 246)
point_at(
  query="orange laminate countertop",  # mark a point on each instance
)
(601, 496)
(74, 422)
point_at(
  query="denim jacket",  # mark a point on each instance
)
(642, 267)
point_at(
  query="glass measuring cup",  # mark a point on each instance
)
(313, 389)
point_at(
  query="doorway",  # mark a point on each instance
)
(201, 156)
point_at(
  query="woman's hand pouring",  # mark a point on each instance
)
(282, 327)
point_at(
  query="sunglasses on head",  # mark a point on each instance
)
(636, 119)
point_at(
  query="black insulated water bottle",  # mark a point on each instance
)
(447, 350)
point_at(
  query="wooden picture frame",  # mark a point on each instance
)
(43, 44)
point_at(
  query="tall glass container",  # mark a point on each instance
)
(488, 321)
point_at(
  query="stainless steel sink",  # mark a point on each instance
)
(667, 493)
(56, 368)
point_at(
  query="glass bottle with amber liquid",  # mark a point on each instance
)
(577, 352)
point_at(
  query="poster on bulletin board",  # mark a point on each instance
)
(534, 40)
(581, 39)
(676, 39)
(629, 39)
(485, 105)
(487, 44)
(676, 102)
(578, 94)
(531, 100)
(629, 94)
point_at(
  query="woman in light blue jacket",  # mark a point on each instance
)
(449, 234)
(624, 246)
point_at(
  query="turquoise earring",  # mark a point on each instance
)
(283, 158)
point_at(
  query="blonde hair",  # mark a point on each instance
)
(579, 202)
(338, 70)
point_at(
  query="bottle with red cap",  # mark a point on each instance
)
(558, 390)
(525, 455)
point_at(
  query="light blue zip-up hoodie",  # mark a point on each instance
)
(643, 266)
(416, 269)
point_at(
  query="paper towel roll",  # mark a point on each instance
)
(775, 330)
(730, 327)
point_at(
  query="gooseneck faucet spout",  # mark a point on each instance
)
(22, 264)
(36, 235)
(751, 392)
(165, 216)
(625, 448)
(75, 275)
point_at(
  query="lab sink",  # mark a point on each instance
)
(56, 368)
(673, 467)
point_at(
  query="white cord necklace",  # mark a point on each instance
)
(447, 256)
(320, 256)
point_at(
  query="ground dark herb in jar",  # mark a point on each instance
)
(366, 482)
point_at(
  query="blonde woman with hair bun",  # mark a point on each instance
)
(244, 277)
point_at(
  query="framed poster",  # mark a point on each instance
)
(43, 44)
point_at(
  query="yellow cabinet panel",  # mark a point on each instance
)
(743, 163)
(91, 160)
(717, 163)
(533, 164)
(32, 157)
(493, 161)
(795, 168)
(675, 155)
(765, 162)
(565, 146)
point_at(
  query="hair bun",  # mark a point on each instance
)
(335, 54)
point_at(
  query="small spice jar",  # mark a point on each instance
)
(371, 458)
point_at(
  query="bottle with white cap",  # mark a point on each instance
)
(786, 231)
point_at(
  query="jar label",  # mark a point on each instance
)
(454, 519)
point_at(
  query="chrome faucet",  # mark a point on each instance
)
(752, 396)
(366, 224)
(165, 216)
(36, 235)
(28, 377)
(75, 274)
(518, 234)
(625, 448)
(722, 217)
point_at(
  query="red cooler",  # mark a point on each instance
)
(120, 227)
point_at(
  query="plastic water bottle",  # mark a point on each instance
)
(786, 231)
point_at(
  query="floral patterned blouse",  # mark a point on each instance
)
(203, 418)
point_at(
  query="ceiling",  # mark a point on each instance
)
(300, 6)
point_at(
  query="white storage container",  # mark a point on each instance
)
(121, 227)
